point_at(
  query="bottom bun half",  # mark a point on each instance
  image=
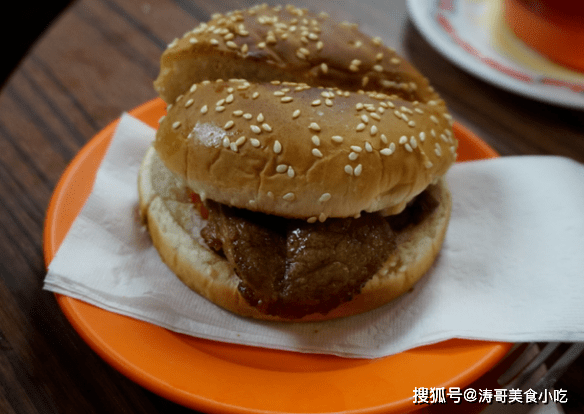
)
(174, 222)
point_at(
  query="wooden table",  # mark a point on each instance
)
(98, 60)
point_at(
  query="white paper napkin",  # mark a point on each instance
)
(511, 268)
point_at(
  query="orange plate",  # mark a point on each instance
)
(219, 377)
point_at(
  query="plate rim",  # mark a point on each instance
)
(74, 309)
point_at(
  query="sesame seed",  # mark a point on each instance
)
(316, 152)
(412, 124)
(314, 126)
(214, 42)
(277, 147)
(324, 198)
(291, 172)
(193, 40)
(229, 98)
(266, 127)
(226, 142)
(232, 45)
(408, 148)
(356, 148)
(161, 119)
(312, 220)
(229, 124)
(386, 151)
(438, 150)
(261, 45)
(360, 127)
(422, 136)
(255, 128)
(176, 125)
(359, 106)
(319, 45)
(300, 55)
(282, 168)
(204, 109)
(379, 56)
(328, 102)
(337, 138)
(413, 142)
(434, 119)
(324, 68)
(219, 108)
(376, 41)
(384, 138)
(368, 147)
(255, 142)
(316, 140)
(392, 146)
(189, 103)
(296, 114)
(364, 118)
(428, 164)
(313, 36)
(286, 99)
(418, 110)
(279, 93)
(316, 102)
(373, 130)
(244, 48)
(403, 139)
(349, 169)
(304, 51)
(255, 95)
(364, 80)
(240, 141)
(354, 68)
(395, 61)
(260, 117)
(233, 147)
(358, 170)
(193, 87)
(239, 112)
(375, 116)
(228, 36)
(322, 217)
(378, 68)
(247, 116)
(289, 197)
(353, 156)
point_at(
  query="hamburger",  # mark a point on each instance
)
(303, 198)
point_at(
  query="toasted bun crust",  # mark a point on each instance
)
(174, 225)
(296, 151)
(287, 44)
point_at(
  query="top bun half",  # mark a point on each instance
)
(265, 43)
(296, 151)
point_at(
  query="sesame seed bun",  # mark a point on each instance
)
(287, 44)
(285, 112)
(295, 151)
(174, 224)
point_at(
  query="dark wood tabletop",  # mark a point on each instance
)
(99, 58)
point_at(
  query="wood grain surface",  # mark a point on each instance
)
(98, 59)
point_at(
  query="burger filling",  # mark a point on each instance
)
(290, 268)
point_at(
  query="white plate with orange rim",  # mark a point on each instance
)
(473, 35)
